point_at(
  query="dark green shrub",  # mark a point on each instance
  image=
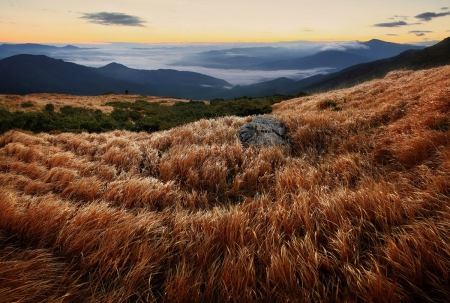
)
(49, 107)
(26, 104)
(120, 115)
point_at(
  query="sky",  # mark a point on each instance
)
(212, 21)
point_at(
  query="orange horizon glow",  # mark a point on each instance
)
(206, 42)
(172, 21)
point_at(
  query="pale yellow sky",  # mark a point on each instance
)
(148, 21)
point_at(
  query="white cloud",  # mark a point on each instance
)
(343, 46)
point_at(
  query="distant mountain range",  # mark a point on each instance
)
(23, 74)
(34, 47)
(433, 56)
(336, 57)
(8, 50)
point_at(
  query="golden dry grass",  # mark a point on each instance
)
(13, 102)
(357, 210)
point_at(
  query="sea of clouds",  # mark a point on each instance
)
(164, 55)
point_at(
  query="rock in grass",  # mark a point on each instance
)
(264, 131)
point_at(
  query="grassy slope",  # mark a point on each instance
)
(38, 101)
(356, 211)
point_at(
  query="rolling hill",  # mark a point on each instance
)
(24, 74)
(356, 209)
(168, 82)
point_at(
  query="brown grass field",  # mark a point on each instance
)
(14, 102)
(357, 210)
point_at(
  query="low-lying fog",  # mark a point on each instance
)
(171, 56)
(237, 63)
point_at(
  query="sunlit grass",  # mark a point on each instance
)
(356, 210)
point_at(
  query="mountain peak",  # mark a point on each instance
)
(376, 42)
(70, 47)
(114, 65)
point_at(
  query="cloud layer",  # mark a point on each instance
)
(121, 19)
(428, 16)
(419, 33)
(425, 17)
(391, 24)
(343, 46)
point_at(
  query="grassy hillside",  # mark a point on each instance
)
(355, 211)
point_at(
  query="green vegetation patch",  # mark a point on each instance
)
(137, 116)
(26, 104)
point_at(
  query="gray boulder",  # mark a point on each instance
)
(264, 131)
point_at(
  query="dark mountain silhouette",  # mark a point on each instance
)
(357, 74)
(160, 76)
(378, 49)
(433, 56)
(262, 89)
(168, 82)
(332, 59)
(24, 74)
